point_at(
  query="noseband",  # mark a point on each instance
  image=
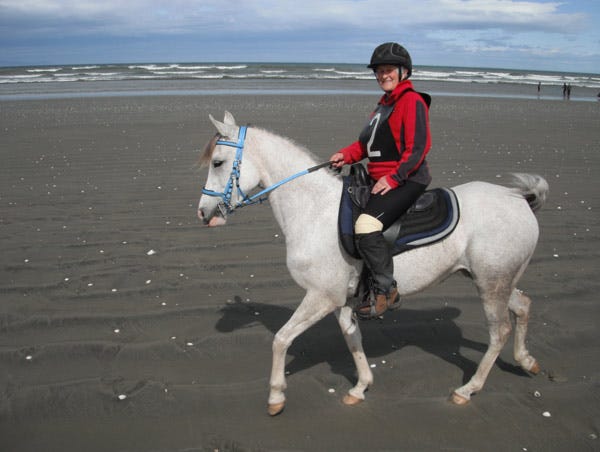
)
(226, 207)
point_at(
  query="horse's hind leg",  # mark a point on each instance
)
(519, 306)
(354, 341)
(495, 304)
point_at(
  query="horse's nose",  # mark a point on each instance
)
(201, 216)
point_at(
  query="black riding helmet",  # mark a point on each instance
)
(391, 53)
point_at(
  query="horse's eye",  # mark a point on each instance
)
(217, 163)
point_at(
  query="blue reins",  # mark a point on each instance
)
(226, 206)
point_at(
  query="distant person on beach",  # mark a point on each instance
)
(539, 88)
(564, 90)
(569, 91)
(395, 140)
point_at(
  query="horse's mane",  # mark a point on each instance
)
(290, 142)
(207, 152)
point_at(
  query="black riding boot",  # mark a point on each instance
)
(377, 255)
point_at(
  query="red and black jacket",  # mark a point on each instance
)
(396, 139)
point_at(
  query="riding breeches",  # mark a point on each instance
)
(380, 213)
(391, 206)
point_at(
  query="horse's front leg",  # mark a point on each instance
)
(313, 308)
(353, 338)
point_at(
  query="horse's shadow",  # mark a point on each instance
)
(432, 330)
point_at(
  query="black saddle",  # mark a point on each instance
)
(431, 218)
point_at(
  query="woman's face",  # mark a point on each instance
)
(388, 77)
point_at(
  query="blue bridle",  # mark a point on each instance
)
(226, 207)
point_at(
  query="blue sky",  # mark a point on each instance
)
(533, 34)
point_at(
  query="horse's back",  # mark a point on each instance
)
(496, 218)
(490, 198)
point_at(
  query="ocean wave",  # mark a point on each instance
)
(276, 71)
(175, 73)
(431, 75)
(46, 69)
(356, 73)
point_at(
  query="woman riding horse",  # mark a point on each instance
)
(396, 141)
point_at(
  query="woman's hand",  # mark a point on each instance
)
(337, 160)
(381, 186)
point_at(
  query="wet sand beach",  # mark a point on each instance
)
(126, 325)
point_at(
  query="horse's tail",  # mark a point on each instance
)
(532, 187)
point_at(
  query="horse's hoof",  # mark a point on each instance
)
(457, 399)
(275, 408)
(350, 400)
(535, 369)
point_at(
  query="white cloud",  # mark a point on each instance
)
(323, 30)
(55, 8)
(166, 16)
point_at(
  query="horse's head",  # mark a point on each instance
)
(226, 183)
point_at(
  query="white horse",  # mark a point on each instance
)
(492, 243)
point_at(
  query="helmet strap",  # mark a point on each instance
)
(403, 73)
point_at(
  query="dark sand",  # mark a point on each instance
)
(89, 186)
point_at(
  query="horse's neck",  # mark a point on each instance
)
(278, 157)
(304, 198)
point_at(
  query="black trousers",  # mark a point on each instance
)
(372, 246)
(391, 206)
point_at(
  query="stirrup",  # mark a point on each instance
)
(392, 302)
(372, 314)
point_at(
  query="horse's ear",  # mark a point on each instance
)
(226, 130)
(229, 119)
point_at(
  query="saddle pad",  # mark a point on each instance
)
(427, 223)
(347, 216)
(433, 217)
